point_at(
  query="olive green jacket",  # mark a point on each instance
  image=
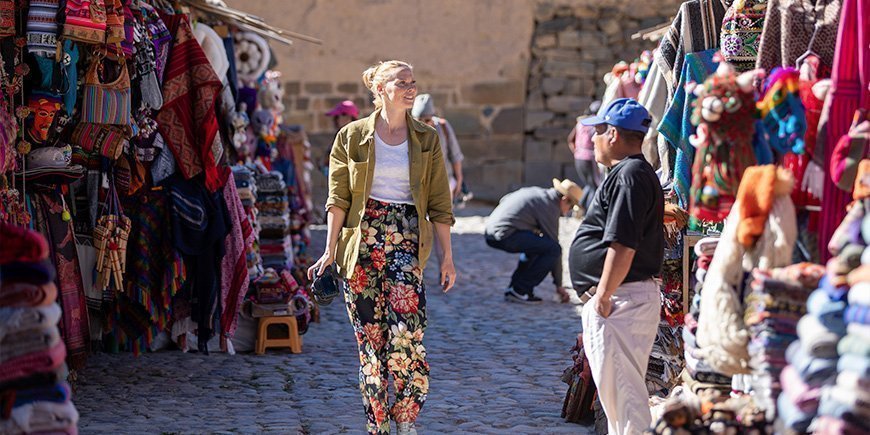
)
(351, 168)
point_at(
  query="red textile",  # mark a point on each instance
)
(234, 266)
(849, 92)
(37, 362)
(188, 120)
(21, 245)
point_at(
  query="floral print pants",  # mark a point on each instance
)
(386, 304)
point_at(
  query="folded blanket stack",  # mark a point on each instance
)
(34, 395)
(775, 303)
(826, 389)
(246, 186)
(274, 220)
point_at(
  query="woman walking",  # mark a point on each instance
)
(386, 176)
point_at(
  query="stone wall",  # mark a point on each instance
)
(510, 75)
(574, 45)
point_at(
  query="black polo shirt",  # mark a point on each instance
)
(628, 208)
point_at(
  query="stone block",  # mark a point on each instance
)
(555, 25)
(561, 68)
(495, 93)
(536, 119)
(465, 121)
(562, 54)
(302, 103)
(535, 100)
(553, 85)
(306, 120)
(567, 104)
(552, 133)
(475, 149)
(541, 173)
(348, 88)
(333, 101)
(509, 120)
(544, 11)
(318, 87)
(497, 179)
(585, 12)
(545, 41)
(538, 151)
(598, 53)
(569, 39)
(292, 88)
(564, 11)
(590, 38)
(561, 152)
(610, 26)
(508, 147)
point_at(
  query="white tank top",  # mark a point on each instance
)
(392, 179)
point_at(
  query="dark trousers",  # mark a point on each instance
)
(589, 178)
(541, 255)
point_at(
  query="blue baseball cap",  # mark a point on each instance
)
(624, 113)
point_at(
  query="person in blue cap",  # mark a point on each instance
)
(616, 253)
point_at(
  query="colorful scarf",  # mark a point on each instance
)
(234, 268)
(188, 120)
(46, 209)
(782, 112)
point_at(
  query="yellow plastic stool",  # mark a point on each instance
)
(294, 341)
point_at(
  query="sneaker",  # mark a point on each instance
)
(512, 295)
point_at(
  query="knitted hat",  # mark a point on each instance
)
(423, 106)
(21, 244)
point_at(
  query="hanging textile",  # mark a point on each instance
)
(676, 126)
(188, 120)
(47, 209)
(850, 91)
(234, 266)
(794, 27)
(695, 28)
(741, 33)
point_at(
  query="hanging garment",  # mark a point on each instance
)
(788, 31)
(850, 91)
(234, 268)
(47, 210)
(741, 33)
(188, 120)
(7, 18)
(200, 223)
(695, 28)
(42, 27)
(676, 125)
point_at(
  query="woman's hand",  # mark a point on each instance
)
(448, 274)
(320, 265)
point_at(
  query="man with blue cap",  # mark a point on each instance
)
(616, 253)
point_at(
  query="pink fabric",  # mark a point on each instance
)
(799, 393)
(32, 363)
(850, 76)
(583, 147)
(234, 267)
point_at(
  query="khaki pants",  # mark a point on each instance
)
(618, 349)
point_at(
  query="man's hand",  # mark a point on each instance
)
(602, 306)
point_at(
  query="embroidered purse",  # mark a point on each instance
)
(85, 21)
(106, 103)
(108, 140)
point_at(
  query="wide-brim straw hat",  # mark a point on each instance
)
(568, 188)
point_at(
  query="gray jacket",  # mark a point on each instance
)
(532, 209)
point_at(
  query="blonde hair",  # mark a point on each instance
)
(381, 73)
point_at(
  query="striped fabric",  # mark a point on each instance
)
(106, 103)
(42, 27)
(85, 21)
(851, 78)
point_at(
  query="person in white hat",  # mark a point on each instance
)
(527, 221)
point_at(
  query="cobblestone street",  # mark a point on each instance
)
(495, 367)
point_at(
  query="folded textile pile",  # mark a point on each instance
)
(774, 306)
(34, 396)
(665, 361)
(246, 186)
(825, 388)
(273, 215)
